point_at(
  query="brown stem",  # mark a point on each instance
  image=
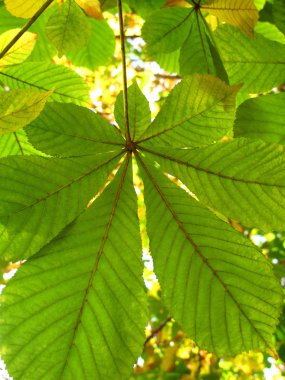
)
(125, 80)
(25, 28)
(157, 330)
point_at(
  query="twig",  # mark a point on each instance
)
(25, 28)
(125, 80)
(157, 330)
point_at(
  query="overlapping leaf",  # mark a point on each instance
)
(87, 321)
(99, 49)
(258, 63)
(20, 107)
(239, 13)
(262, 118)
(139, 118)
(66, 85)
(20, 50)
(25, 9)
(68, 28)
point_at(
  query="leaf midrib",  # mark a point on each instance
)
(197, 250)
(198, 168)
(97, 260)
(188, 119)
(42, 88)
(47, 196)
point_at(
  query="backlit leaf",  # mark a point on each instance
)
(68, 28)
(214, 282)
(239, 13)
(20, 50)
(262, 118)
(19, 107)
(25, 9)
(66, 85)
(198, 111)
(258, 63)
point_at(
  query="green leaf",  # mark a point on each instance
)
(242, 14)
(198, 111)
(145, 7)
(48, 193)
(16, 143)
(66, 85)
(262, 118)
(242, 179)
(218, 287)
(278, 12)
(89, 321)
(139, 112)
(165, 30)
(196, 52)
(8, 21)
(69, 130)
(19, 107)
(25, 9)
(270, 32)
(20, 50)
(168, 61)
(258, 63)
(68, 28)
(43, 50)
(99, 49)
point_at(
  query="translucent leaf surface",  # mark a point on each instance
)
(25, 9)
(262, 118)
(99, 49)
(258, 63)
(93, 310)
(239, 13)
(214, 282)
(69, 130)
(66, 85)
(19, 107)
(47, 195)
(198, 111)
(68, 28)
(139, 112)
(20, 50)
(166, 30)
(242, 179)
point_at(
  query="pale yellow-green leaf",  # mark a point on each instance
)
(242, 14)
(91, 7)
(18, 52)
(68, 28)
(23, 8)
(19, 107)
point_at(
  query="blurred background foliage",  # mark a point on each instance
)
(168, 353)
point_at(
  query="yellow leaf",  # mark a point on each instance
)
(23, 8)
(239, 13)
(91, 7)
(177, 3)
(19, 108)
(20, 50)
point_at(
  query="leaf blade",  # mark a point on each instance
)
(20, 107)
(203, 268)
(181, 120)
(105, 333)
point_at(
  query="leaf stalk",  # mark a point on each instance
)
(25, 28)
(125, 80)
